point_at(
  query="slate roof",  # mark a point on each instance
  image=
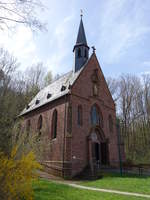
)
(81, 38)
(55, 90)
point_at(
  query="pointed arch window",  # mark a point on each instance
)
(79, 53)
(85, 53)
(19, 130)
(54, 124)
(28, 125)
(96, 116)
(40, 123)
(69, 119)
(110, 120)
(80, 113)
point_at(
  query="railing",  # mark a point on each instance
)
(131, 169)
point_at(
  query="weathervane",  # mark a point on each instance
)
(93, 47)
(81, 13)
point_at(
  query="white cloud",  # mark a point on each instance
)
(20, 44)
(146, 63)
(49, 47)
(122, 26)
(59, 41)
(118, 27)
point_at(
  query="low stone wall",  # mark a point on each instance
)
(58, 168)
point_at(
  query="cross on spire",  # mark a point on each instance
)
(81, 13)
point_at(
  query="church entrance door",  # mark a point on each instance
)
(96, 155)
(97, 151)
(104, 153)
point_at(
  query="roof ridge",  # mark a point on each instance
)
(56, 80)
(60, 77)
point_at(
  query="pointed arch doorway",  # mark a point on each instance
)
(98, 150)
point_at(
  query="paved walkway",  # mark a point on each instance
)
(108, 191)
(76, 185)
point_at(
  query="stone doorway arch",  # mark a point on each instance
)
(98, 149)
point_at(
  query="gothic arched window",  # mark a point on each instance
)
(19, 130)
(28, 125)
(79, 53)
(80, 120)
(39, 124)
(110, 120)
(69, 119)
(96, 116)
(85, 53)
(54, 124)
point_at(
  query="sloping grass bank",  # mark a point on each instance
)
(46, 190)
(128, 183)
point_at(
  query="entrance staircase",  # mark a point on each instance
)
(88, 174)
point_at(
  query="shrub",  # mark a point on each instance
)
(16, 176)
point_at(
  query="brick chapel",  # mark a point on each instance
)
(77, 115)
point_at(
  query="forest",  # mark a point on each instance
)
(17, 88)
(131, 94)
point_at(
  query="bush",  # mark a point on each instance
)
(16, 176)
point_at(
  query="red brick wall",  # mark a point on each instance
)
(82, 95)
(53, 149)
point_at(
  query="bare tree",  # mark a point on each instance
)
(24, 12)
(48, 78)
(146, 94)
(8, 65)
(113, 85)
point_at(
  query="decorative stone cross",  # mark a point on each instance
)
(93, 47)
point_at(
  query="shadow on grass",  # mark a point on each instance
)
(106, 175)
(124, 175)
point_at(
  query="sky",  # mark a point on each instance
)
(119, 30)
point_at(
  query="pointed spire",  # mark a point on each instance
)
(81, 49)
(81, 38)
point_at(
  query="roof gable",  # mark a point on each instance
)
(83, 83)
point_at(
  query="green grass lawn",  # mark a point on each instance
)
(129, 183)
(46, 190)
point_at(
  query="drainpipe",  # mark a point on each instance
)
(64, 134)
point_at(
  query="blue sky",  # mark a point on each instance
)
(119, 29)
